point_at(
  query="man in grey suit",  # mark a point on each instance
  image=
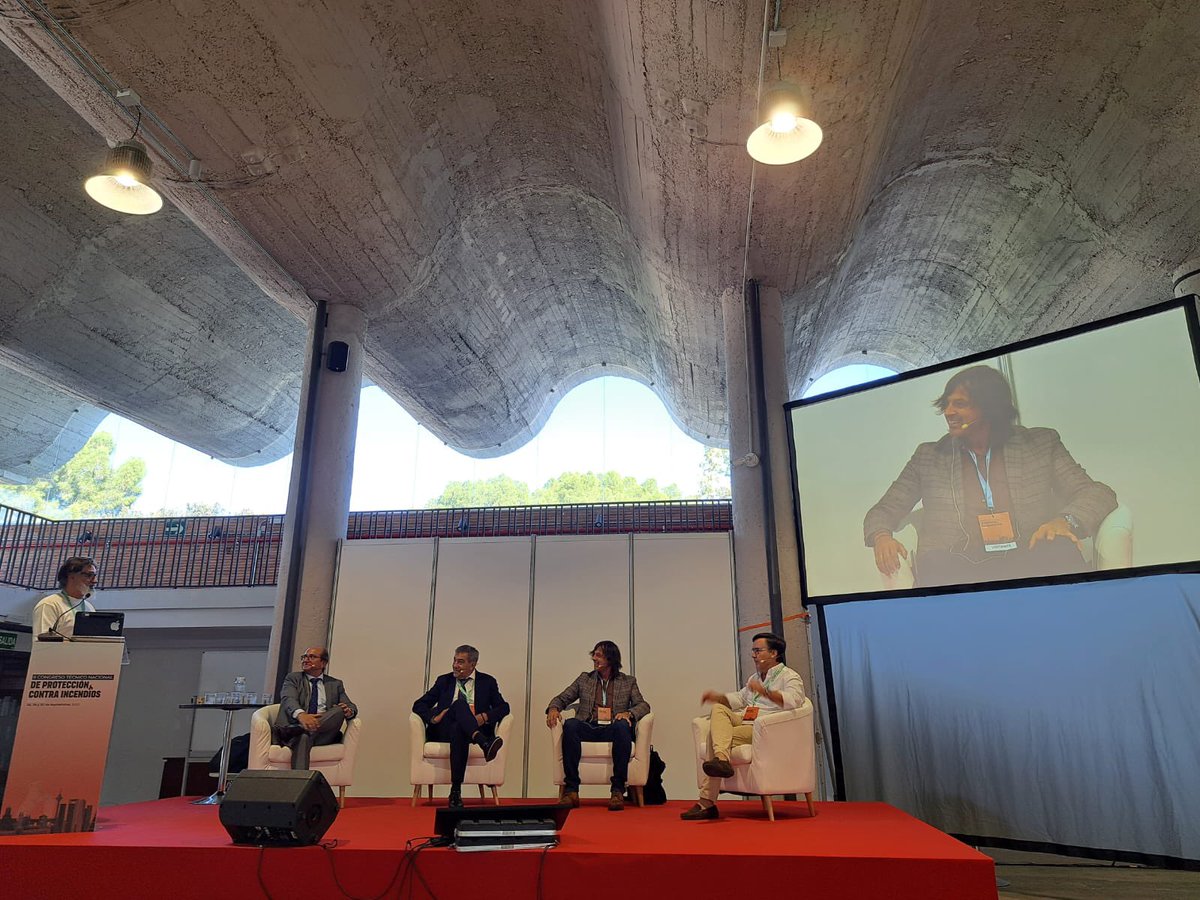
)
(999, 500)
(610, 705)
(312, 707)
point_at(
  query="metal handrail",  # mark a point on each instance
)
(243, 551)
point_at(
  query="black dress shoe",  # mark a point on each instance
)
(456, 798)
(491, 748)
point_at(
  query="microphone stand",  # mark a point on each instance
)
(54, 634)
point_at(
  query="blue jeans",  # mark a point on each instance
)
(576, 731)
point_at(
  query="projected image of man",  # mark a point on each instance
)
(999, 500)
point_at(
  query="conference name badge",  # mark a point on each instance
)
(604, 715)
(997, 531)
(749, 714)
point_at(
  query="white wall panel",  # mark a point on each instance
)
(581, 596)
(680, 642)
(482, 599)
(378, 646)
(685, 627)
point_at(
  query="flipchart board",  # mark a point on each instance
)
(61, 744)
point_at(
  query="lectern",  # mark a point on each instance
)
(61, 744)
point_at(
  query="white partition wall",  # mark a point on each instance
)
(378, 644)
(686, 642)
(403, 606)
(581, 596)
(481, 598)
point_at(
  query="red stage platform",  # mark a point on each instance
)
(169, 848)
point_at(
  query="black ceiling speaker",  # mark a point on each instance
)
(278, 809)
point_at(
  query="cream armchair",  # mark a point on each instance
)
(430, 761)
(595, 761)
(334, 761)
(781, 758)
(1110, 548)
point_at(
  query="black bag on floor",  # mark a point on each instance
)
(239, 755)
(654, 794)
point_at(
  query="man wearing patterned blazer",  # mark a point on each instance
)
(312, 708)
(610, 705)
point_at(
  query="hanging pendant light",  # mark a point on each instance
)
(786, 135)
(122, 184)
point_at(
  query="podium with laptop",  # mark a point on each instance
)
(63, 726)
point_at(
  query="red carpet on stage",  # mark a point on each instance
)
(169, 848)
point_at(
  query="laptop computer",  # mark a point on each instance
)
(99, 624)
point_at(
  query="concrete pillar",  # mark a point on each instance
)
(750, 533)
(319, 497)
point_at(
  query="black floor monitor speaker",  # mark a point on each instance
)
(278, 809)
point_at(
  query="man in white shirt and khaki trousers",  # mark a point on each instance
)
(772, 687)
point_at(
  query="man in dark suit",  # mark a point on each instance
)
(610, 704)
(463, 707)
(312, 708)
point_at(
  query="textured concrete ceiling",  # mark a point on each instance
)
(523, 195)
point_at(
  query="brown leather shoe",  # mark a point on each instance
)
(717, 768)
(570, 798)
(699, 813)
(616, 802)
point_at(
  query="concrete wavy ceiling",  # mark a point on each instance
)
(523, 195)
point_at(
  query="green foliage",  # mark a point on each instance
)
(569, 487)
(499, 491)
(715, 474)
(85, 486)
(196, 510)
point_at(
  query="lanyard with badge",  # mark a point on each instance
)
(468, 697)
(995, 528)
(603, 708)
(750, 713)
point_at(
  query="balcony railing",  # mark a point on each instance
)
(244, 551)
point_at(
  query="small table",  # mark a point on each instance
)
(223, 778)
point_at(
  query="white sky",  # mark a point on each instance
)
(607, 423)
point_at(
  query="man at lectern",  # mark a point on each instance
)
(463, 707)
(312, 708)
(772, 687)
(610, 705)
(56, 613)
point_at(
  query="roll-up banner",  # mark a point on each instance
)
(61, 744)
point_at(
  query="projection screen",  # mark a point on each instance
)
(929, 481)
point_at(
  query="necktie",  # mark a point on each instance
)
(312, 696)
(462, 688)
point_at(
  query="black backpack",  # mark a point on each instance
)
(654, 794)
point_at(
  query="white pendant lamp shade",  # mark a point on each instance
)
(123, 182)
(786, 135)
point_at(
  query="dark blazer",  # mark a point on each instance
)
(293, 695)
(1044, 482)
(439, 697)
(623, 696)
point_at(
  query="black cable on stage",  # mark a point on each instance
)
(541, 871)
(328, 847)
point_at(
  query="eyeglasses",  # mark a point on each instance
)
(91, 574)
(310, 656)
(754, 651)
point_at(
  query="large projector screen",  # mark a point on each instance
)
(1046, 461)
